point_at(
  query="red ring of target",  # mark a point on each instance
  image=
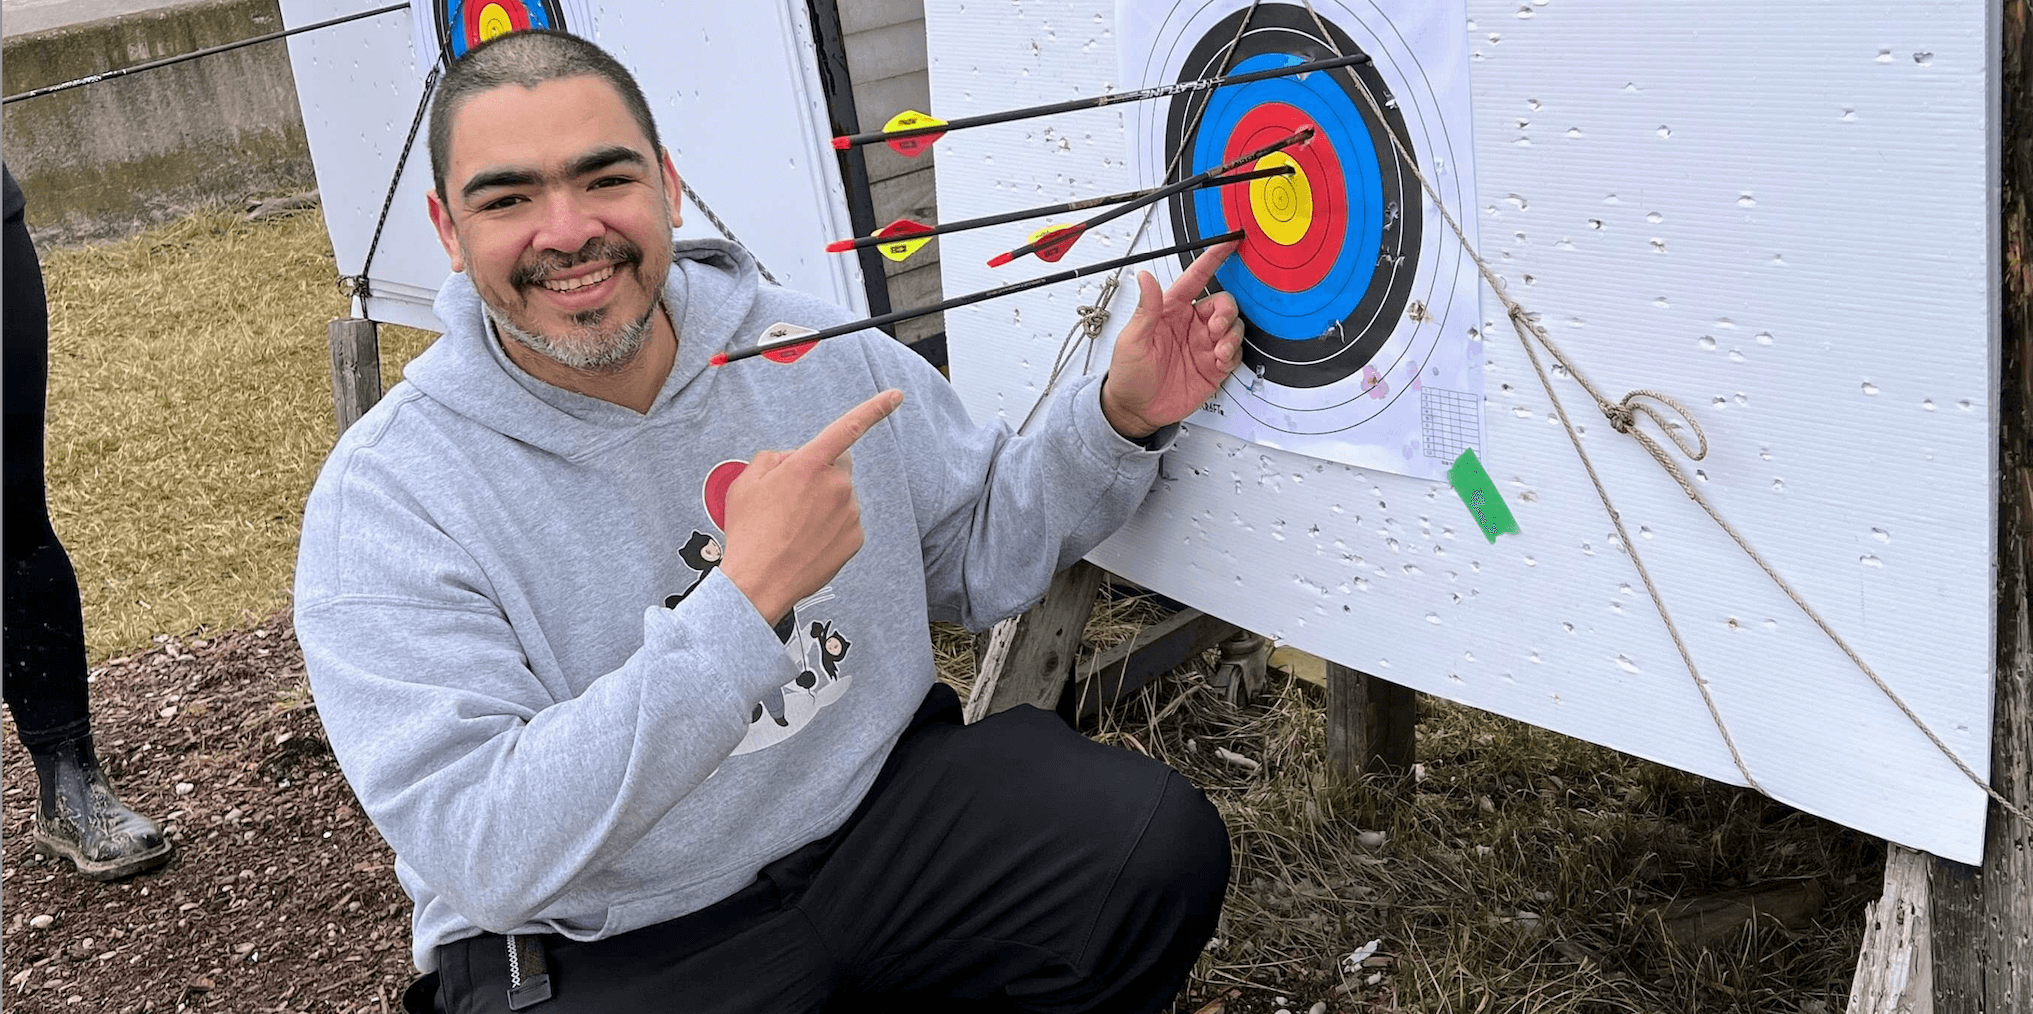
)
(1302, 265)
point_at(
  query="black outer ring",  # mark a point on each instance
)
(1348, 347)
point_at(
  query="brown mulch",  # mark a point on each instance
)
(282, 896)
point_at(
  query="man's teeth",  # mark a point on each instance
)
(568, 284)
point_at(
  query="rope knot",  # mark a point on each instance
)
(1620, 417)
(1094, 319)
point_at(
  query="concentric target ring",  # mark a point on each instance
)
(1320, 301)
(463, 24)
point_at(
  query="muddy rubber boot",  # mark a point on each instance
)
(79, 817)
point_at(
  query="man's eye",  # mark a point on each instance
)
(611, 181)
(504, 201)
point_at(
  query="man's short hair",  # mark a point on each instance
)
(527, 58)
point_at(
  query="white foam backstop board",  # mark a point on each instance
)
(1781, 214)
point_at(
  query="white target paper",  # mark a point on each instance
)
(1362, 305)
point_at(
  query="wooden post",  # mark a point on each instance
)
(1370, 725)
(356, 369)
(1895, 975)
(1982, 917)
(1029, 657)
(1148, 654)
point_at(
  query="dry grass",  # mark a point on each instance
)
(190, 406)
(1515, 873)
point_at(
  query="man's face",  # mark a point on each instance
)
(561, 214)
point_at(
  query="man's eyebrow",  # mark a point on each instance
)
(605, 158)
(591, 162)
(491, 178)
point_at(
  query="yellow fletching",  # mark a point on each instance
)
(911, 118)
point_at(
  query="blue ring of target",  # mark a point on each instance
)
(1299, 316)
(1350, 343)
(452, 34)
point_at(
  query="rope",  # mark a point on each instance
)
(194, 54)
(1093, 319)
(724, 230)
(356, 285)
(1623, 417)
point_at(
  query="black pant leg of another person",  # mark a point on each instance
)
(44, 623)
(1016, 861)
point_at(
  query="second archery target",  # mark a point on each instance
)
(463, 24)
(1360, 305)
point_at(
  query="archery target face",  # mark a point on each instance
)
(463, 24)
(1356, 297)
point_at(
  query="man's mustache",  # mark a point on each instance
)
(620, 251)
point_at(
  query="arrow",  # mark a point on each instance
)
(903, 237)
(801, 339)
(917, 136)
(1053, 244)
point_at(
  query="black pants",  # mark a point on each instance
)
(1013, 863)
(44, 626)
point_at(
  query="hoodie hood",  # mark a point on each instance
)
(709, 295)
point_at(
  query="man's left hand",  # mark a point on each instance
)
(1174, 352)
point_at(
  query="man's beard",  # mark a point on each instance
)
(605, 355)
(586, 349)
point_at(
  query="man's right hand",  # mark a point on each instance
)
(792, 519)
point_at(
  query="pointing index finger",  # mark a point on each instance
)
(841, 433)
(1201, 271)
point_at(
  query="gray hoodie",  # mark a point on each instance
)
(550, 701)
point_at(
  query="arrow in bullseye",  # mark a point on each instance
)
(912, 133)
(1053, 244)
(903, 237)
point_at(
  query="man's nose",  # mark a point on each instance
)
(567, 225)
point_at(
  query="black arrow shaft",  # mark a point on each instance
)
(1057, 209)
(976, 297)
(208, 51)
(1154, 196)
(1155, 92)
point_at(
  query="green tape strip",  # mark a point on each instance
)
(1469, 479)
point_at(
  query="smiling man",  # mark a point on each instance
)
(628, 659)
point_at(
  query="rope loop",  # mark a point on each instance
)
(1630, 406)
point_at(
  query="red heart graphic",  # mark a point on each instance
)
(715, 491)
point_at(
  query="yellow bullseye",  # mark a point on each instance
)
(1283, 204)
(494, 21)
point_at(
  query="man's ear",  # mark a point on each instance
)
(441, 218)
(674, 189)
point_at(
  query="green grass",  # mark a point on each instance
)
(190, 406)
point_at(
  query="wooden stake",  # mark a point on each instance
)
(356, 369)
(1370, 725)
(1029, 657)
(1895, 973)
